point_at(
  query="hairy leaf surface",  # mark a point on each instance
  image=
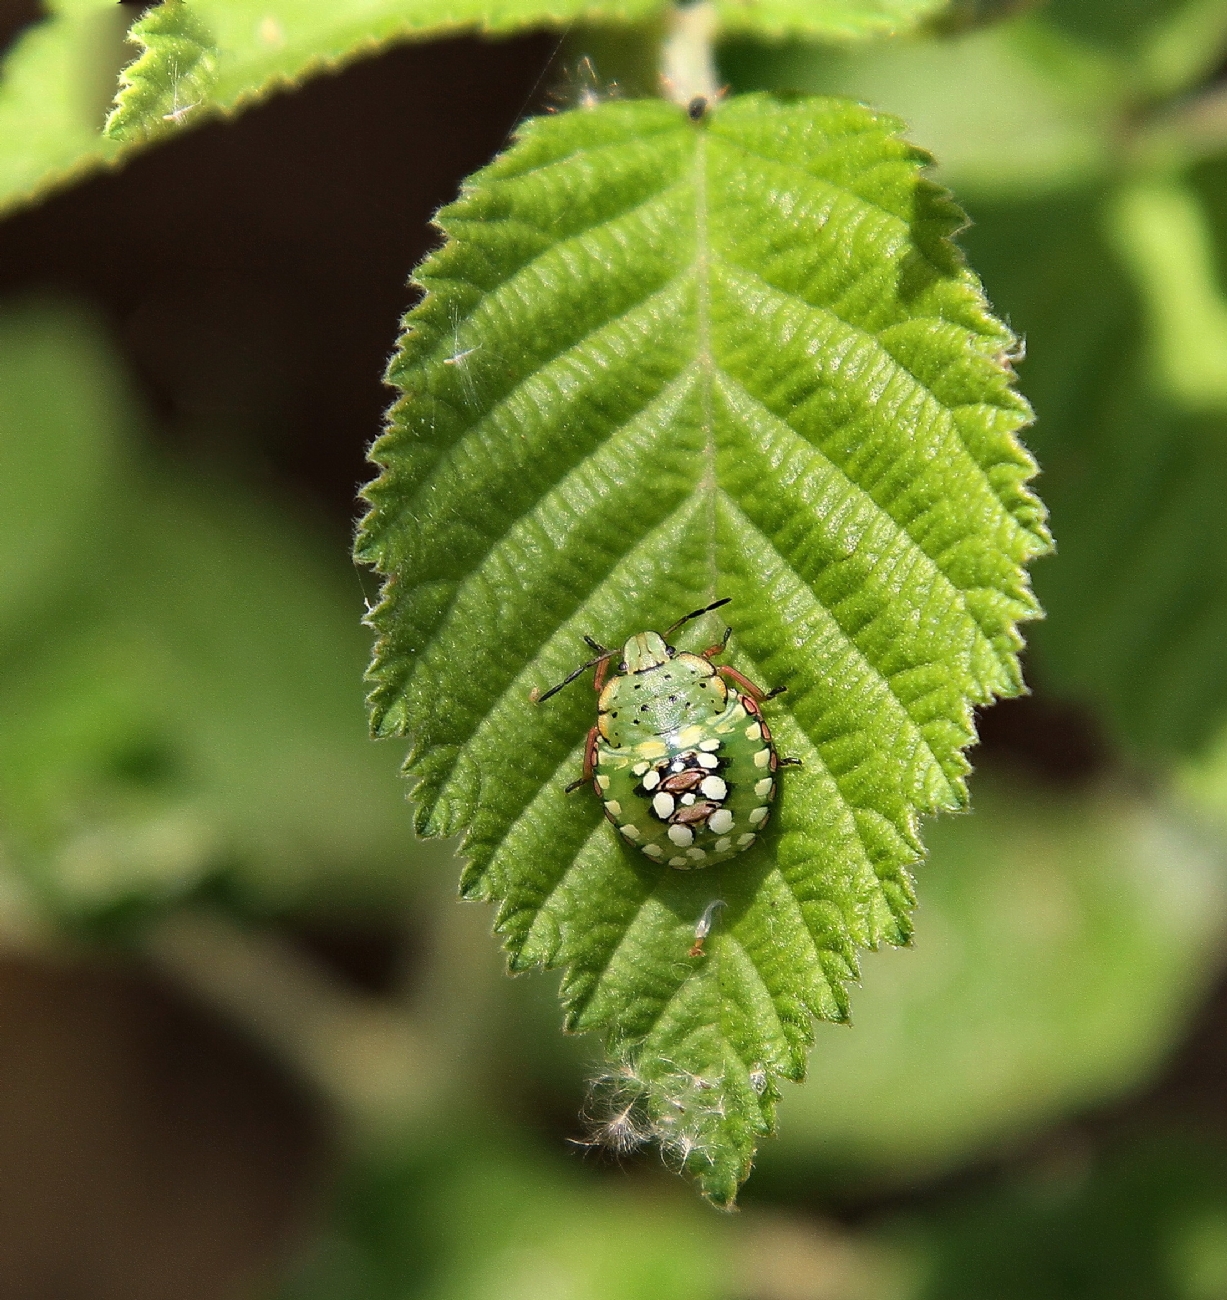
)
(173, 76)
(658, 362)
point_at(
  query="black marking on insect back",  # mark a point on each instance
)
(696, 109)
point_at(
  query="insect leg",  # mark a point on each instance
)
(589, 763)
(713, 650)
(754, 692)
(695, 613)
(602, 672)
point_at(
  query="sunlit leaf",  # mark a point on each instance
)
(659, 361)
(173, 76)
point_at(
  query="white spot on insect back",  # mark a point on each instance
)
(678, 862)
(602, 780)
(654, 850)
(689, 736)
(682, 836)
(613, 807)
(758, 816)
(763, 757)
(640, 768)
(652, 780)
(688, 799)
(763, 788)
(720, 822)
(631, 832)
(662, 805)
(744, 841)
(708, 761)
(697, 854)
(723, 845)
(709, 745)
(713, 787)
(754, 731)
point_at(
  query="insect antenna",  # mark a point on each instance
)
(697, 613)
(566, 681)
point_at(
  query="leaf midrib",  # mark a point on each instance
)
(708, 486)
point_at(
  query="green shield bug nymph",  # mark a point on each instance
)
(680, 757)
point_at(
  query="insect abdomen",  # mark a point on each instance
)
(694, 796)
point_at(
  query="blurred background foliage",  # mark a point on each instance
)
(250, 1044)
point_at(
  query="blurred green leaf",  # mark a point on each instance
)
(827, 19)
(1167, 45)
(193, 710)
(56, 85)
(199, 720)
(1066, 939)
(1147, 1220)
(1136, 598)
(66, 421)
(658, 361)
(1004, 111)
(480, 1218)
(1162, 235)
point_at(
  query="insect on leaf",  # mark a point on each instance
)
(660, 361)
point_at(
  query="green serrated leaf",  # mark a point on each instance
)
(203, 57)
(173, 75)
(246, 51)
(657, 362)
